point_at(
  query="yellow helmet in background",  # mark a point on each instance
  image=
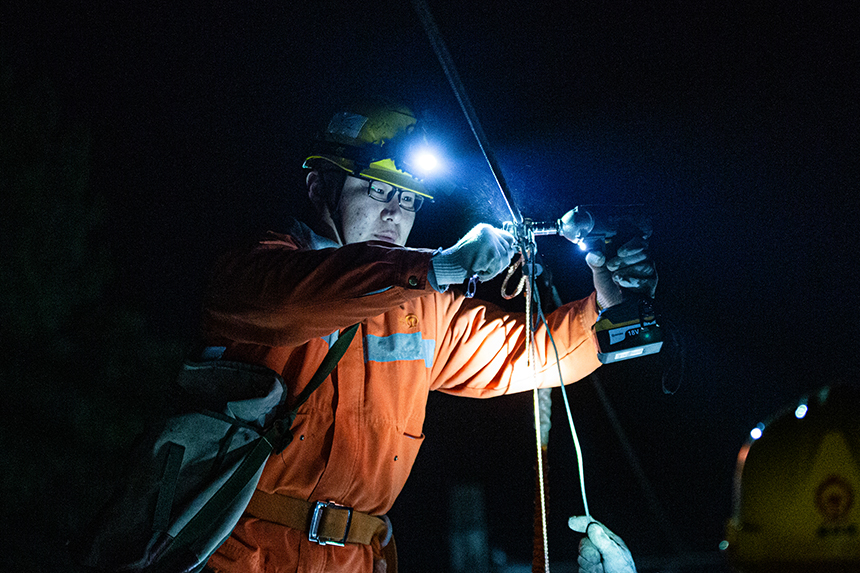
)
(797, 489)
(369, 139)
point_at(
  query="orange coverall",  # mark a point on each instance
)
(281, 302)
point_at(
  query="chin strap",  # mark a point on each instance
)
(333, 200)
(338, 227)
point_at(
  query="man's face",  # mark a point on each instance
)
(365, 219)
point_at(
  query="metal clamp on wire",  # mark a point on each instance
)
(316, 520)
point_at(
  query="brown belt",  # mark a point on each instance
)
(325, 523)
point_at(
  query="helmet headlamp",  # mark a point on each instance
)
(377, 140)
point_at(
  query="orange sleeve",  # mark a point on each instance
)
(278, 294)
(481, 349)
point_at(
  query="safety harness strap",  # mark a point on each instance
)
(328, 363)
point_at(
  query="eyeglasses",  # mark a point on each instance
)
(383, 192)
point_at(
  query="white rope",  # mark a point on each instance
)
(578, 451)
(573, 433)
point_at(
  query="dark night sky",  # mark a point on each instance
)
(736, 124)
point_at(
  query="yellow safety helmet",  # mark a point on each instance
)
(369, 139)
(797, 489)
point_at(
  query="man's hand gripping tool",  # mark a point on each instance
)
(626, 330)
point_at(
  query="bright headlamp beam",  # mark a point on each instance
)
(426, 161)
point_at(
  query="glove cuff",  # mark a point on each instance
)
(447, 269)
(431, 278)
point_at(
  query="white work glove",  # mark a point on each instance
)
(630, 269)
(484, 251)
(600, 551)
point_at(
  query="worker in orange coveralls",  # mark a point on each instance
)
(282, 301)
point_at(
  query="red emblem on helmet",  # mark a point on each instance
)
(834, 498)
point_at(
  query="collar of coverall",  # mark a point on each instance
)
(304, 233)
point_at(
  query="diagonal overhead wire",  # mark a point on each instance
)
(459, 89)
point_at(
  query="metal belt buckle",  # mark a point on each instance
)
(316, 519)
